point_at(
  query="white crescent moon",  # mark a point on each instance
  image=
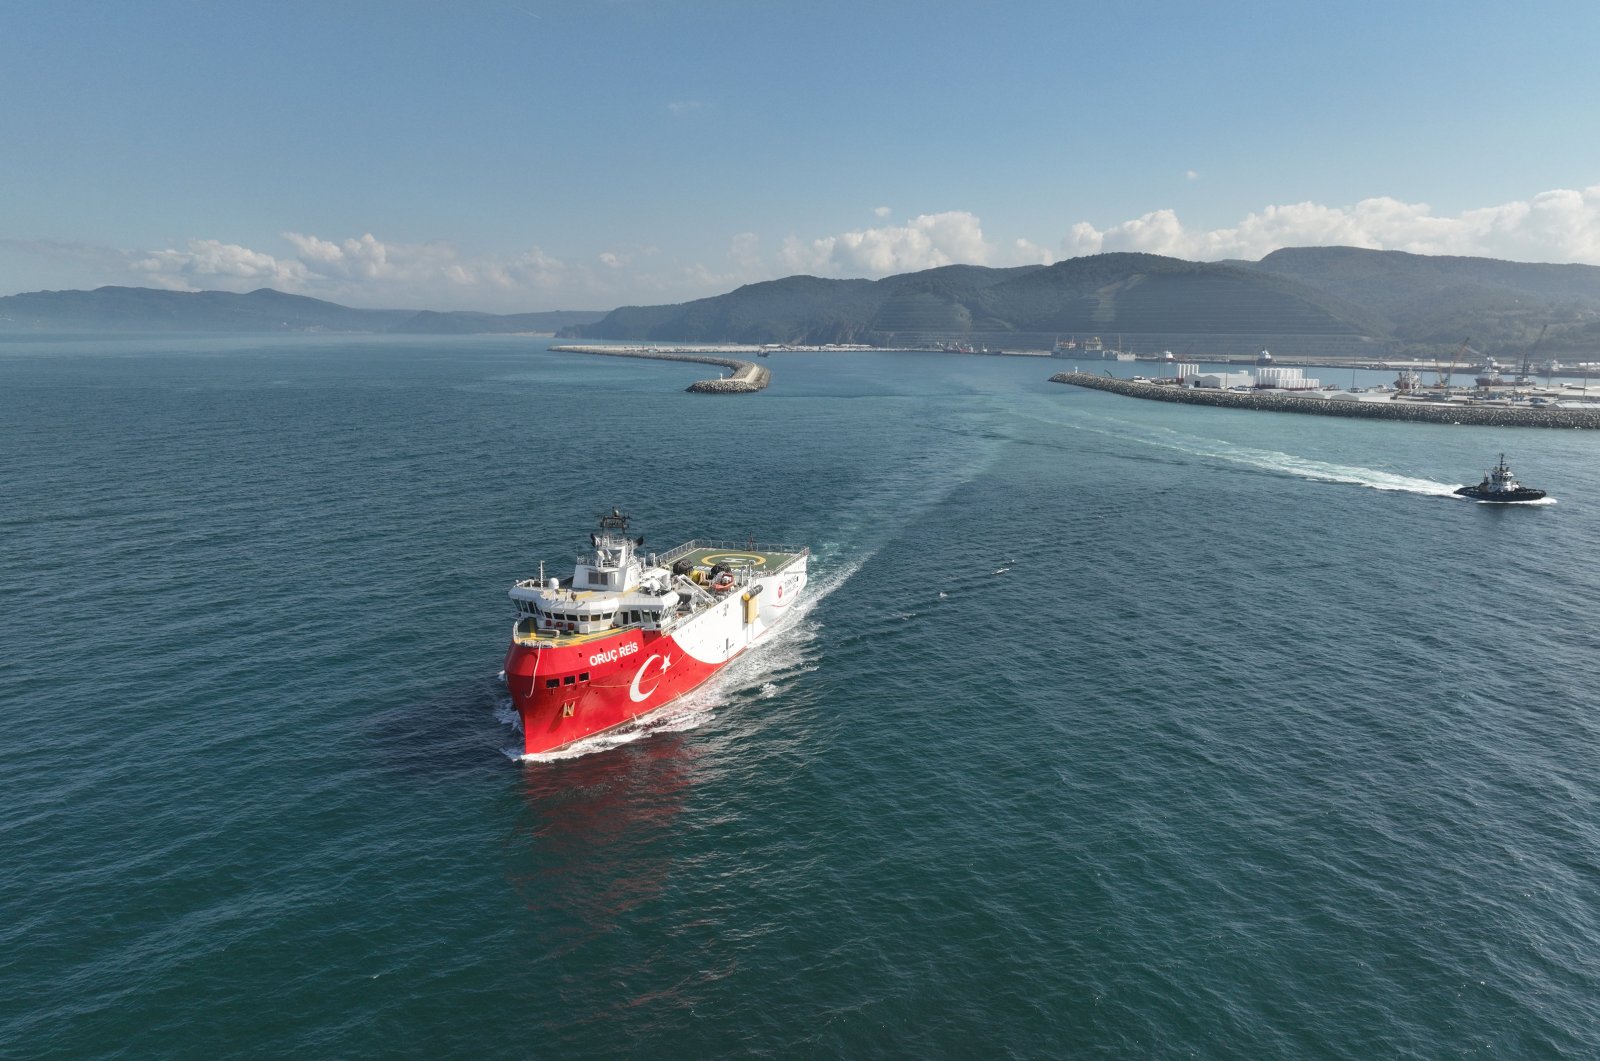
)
(633, 690)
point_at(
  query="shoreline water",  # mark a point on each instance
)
(1412, 412)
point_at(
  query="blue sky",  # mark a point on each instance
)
(528, 155)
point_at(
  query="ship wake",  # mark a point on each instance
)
(1279, 463)
(1326, 472)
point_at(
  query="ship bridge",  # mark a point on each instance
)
(614, 587)
(613, 567)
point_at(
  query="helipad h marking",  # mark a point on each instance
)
(740, 559)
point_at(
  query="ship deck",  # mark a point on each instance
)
(763, 560)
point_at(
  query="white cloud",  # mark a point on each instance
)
(208, 259)
(366, 256)
(883, 211)
(925, 242)
(312, 249)
(1081, 239)
(365, 270)
(1554, 226)
(684, 106)
(744, 250)
(1026, 252)
(533, 271)
(1190, 175)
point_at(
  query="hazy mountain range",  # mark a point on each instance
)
(1314, 300)
(148, 309)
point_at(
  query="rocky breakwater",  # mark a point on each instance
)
(1411, 411)
(746, 377)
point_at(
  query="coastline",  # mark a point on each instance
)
(1410, 412)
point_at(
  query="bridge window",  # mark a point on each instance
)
(551, 683)
(569, 680)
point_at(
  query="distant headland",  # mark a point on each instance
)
(1314, 304)
(143, 309)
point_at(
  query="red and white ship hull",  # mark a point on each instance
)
(571, 680)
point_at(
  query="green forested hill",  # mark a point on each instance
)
(815, 310)
(1106, 294)
(1322, 300)
(1437, 300)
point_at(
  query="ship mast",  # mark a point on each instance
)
(613, 565)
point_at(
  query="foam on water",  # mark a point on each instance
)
(1507, 504)
(1278, 462)
(1325, 472)
(600, 742)
(1273, 461)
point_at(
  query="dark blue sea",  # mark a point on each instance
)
(1112, 729)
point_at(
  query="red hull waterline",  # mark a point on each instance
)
(628, 634)
(600, 685)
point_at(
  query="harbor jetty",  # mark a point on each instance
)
(745, 377)
(1484, 415)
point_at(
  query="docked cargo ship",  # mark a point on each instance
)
(630, 632)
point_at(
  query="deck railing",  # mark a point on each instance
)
(794, 551)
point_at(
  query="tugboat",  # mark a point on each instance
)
(1500, 487)
(630, 632)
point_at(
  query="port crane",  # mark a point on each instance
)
(1527, 358)
(1444, 376)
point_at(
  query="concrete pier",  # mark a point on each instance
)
(1409, 411)
(747, 377)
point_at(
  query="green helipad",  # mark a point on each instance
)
(760, 559)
